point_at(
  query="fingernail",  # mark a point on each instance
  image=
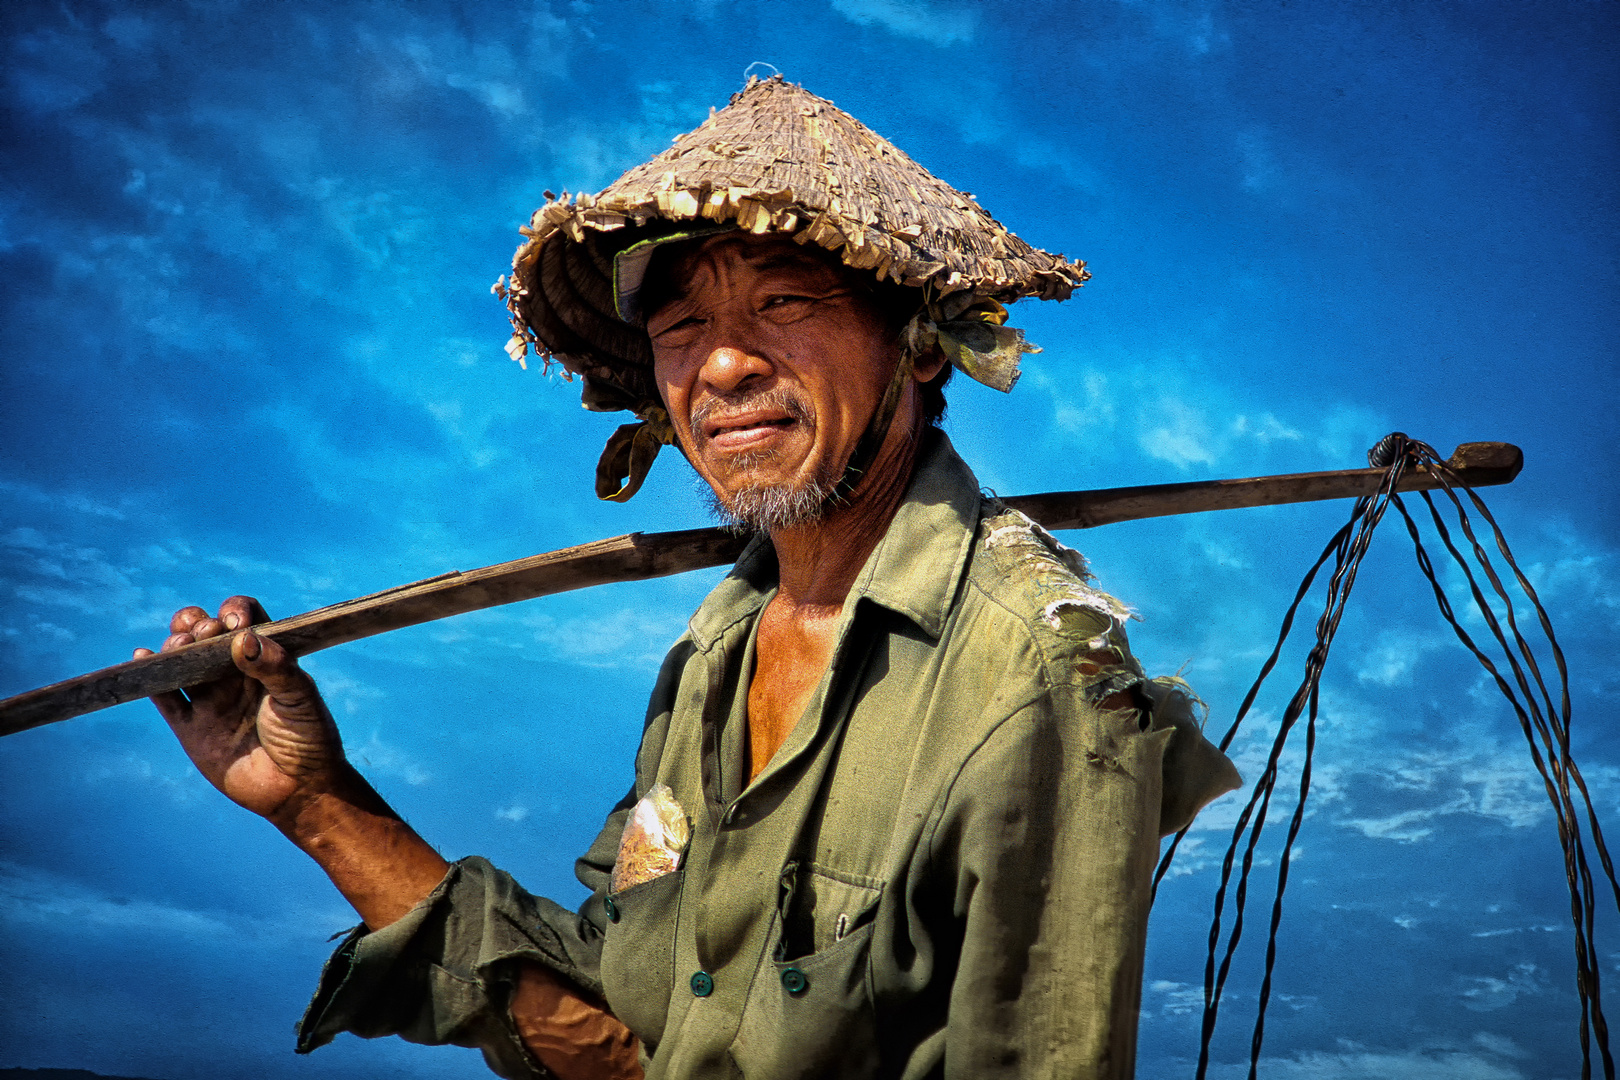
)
(233, 620)
(250, 646)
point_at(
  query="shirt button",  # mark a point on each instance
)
(794, 982)
(612, 909)
(702, 984)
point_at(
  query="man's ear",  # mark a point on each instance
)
(928, 364)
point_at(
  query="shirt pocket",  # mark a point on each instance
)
(638, 954)
(809, 1011)
(821, 906)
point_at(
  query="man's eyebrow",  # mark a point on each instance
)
(786, 260)
(680, 287)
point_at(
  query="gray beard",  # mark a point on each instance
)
(767, 508)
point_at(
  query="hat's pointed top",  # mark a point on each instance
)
(780, 159)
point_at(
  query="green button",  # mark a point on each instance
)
(612, 909)
(702, 984)
(794, 982)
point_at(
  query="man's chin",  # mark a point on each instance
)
(771, 507)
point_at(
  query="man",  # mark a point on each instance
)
(898, 799)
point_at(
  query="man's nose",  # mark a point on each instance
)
(732, 361)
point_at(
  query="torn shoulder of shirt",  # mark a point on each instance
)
(1071, 604)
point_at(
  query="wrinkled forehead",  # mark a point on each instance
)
(686, 269)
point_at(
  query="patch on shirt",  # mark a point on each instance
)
(653, 841)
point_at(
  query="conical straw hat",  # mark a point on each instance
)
(776, 159)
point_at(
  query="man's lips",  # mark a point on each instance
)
(739, 431)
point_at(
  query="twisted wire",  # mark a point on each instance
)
(1546, 733)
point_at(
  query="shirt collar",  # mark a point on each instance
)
(914, 571)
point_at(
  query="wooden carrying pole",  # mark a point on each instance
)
(639, 556)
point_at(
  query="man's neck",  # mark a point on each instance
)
(818, 563)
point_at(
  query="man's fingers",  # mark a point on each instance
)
(185, 618)
(240, 612)
(206, 628)
(174, 641)
(262, 659)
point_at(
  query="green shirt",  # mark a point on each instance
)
(944, 871)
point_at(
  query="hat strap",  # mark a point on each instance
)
(871, 440)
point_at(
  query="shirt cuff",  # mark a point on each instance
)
(444, 972)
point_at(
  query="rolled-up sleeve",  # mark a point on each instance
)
(444, 972)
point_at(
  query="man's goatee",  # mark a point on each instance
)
(767, 508)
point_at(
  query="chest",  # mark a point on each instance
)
(792, 653)
(776, 907)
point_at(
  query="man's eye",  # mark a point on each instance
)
(679, 326)
(787, 308)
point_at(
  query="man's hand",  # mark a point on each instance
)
(262, 735)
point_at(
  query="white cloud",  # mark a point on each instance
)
(1182, 435)
(1580, 573)
(29, 896)
(1080, 406)
(627, 637)
(1364, 1064)
(380, 225)
(1222, 552)
(34, 900)
(67, 500)
(1166, 998)
(1191, 25)
(48, 573)
(1408, 826)
(514, 813)
(348, 696)
(1486, 993)
(51, 71)
(915, 19)
(490, 72)
(387, 759)
(1258, 163)
(1398, 652)
(130, 31)
(1265, 428)
(1481, 780)
(1506, 931)
(180, 783)
(341, 473)
(1348, 431)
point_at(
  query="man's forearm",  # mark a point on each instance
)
(574, 1036)
(379, 863)
(384, 868)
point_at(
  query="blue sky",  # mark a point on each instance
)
(249, 346)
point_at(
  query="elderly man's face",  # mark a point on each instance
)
(771, 362)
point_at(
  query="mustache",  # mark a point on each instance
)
(775, 399)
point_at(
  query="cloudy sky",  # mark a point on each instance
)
(248, 346)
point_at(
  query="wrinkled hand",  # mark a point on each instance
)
(261, 735)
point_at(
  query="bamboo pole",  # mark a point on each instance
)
(639, 556)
